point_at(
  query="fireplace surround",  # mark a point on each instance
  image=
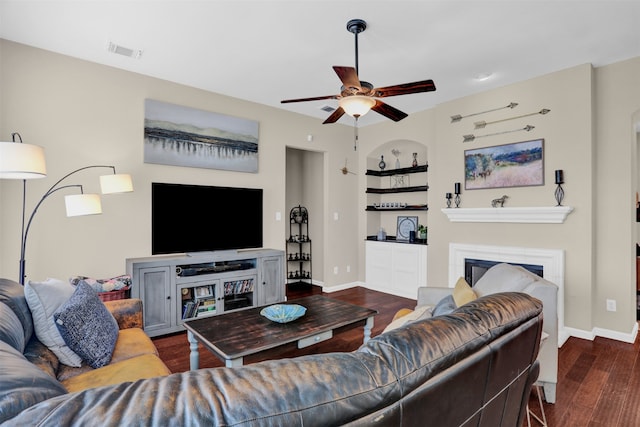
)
(551, 262)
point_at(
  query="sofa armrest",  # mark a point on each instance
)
(127, 312)
(428, 295)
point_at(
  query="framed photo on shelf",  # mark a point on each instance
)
(204, 291)
(406, 224)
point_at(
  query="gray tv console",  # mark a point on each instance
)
(178, 287)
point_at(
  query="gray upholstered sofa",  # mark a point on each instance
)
(474, 366)
(512, 278)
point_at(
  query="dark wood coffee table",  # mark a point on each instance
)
(232, 336)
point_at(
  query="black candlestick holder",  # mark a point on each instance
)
(448, 196)
(559, 193)
(457, 191)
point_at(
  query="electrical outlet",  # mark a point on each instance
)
(335, 270)
(348, 269)
(278, 216)
(611, 305)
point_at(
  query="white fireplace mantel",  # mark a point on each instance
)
(539, 215)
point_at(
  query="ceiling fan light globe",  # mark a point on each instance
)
(357, 105)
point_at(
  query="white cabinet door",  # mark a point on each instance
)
(396, 268)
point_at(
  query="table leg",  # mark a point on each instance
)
(367, 329)
(231, 363)
(194, 356)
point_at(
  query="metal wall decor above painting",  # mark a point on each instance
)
(182, 136)
(520, 164)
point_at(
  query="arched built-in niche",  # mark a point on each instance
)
(405, 149)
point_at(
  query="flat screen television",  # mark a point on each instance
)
(201, 218)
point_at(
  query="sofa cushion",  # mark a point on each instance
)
(131, 343)
(87, 327)
(462, 294)
(12, 294)
(11, 329)
(23, 384)
(504, 278)
(423, 312)
(44, 298)
(133, 369)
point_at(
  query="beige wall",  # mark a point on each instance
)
(84, 113)
(588, 134)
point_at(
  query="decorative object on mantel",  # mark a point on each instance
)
(458, 117)
(469, 138)
(415, 160)
(456, 188)
(448, 197)
(520, 164)
(382, 163)
(522, 215)
(483, 124)
(500, 201)
(559, 193)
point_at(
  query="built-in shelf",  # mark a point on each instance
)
(400, 171)
(535, 215)
(406, 208)
(398, 189)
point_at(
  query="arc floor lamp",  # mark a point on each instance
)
(27, 161)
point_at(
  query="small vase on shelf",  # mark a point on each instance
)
(415, 160)
(382, 164)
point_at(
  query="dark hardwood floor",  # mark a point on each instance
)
(598, 381)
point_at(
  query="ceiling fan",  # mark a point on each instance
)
(357, 96)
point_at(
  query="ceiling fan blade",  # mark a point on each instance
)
(348, 76)
(405, 89)
(316, 98)
(388, 111)
(334, 116)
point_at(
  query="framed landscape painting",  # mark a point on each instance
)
(183, 136)
(520, 164)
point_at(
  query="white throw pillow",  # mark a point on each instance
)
(44, 298)
(422, 312)
(504, 278)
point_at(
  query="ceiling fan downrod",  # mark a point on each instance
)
(356, 26)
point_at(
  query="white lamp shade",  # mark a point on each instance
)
(356, 105)
(116, 183)
(21, 161)
(83, 204)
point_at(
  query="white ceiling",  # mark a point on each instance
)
(266, 51)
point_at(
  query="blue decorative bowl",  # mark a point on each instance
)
(283, 313)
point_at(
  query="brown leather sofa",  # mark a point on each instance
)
(473, 367)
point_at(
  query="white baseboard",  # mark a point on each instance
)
(605, 333)
(341, 287)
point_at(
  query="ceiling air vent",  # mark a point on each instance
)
(327, 108)
(125, 51)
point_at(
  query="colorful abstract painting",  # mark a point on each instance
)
(519, 164)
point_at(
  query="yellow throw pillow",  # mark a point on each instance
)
(462, 293)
